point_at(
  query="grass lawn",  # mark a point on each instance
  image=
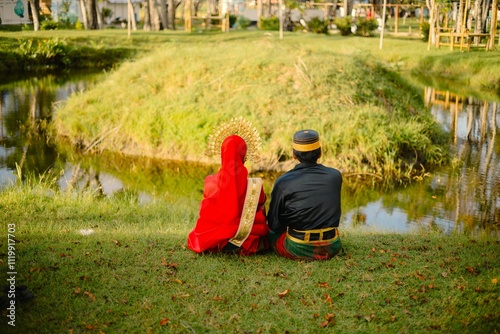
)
(117, 265)
(134, 274)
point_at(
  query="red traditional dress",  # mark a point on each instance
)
(222, 205)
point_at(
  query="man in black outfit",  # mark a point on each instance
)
(305, 210)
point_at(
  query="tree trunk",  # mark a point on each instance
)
(171, 14)
(83, 8)
(431, 5)
(484, 19)
(94, 25)
(259, 12)
(132, 15)
(147, 16)
(155, 15)
(188, 14)
(35, 14)
(163, 13)
(460, 17)
(493, 29)
(100, 23)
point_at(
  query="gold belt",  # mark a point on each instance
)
(323, 234)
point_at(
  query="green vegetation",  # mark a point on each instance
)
(318, 26)
(365, 27)
(134, 274)
(343, 24)
(270, 23)
(166, 103)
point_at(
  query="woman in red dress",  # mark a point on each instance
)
(224, 194)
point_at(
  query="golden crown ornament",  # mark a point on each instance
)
(236, 126)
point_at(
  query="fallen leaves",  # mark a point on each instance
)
(284, 293)
(78, 290)
(494, 281)
(370, 317)
(329, 320)
(328, 299)
(420, 276)
(172, 265)
(164, 321)
(90, 295)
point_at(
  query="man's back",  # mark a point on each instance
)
(305, 198)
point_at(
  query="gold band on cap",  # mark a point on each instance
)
(306, 147)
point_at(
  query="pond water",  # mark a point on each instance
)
(464, 196)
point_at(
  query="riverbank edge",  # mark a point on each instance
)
(113, 264)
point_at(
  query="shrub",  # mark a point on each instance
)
(50, 52)
(79, 25)
(318, 26)
(48, 25)
(232, 20)
(242, 22)
(271, 23)
(343, 25)
(365, 27)
(425, 28)
(106, 13)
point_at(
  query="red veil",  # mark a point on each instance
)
(222, 204)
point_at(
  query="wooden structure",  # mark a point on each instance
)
(396, 9)
(461, 35)
(208, 21)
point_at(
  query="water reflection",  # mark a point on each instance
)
(462, 197)
(473, 125)
(26, 109)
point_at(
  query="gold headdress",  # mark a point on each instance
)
(236, 126)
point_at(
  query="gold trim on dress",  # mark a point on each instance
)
(254, 186)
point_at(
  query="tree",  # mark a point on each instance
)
(35, 10)
(83, 8)
(94, 16)
(171, 15)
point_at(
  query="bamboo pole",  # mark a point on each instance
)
(383, 25)
(280, 3)
(396, 18)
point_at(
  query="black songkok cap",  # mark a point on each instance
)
(306, 140)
